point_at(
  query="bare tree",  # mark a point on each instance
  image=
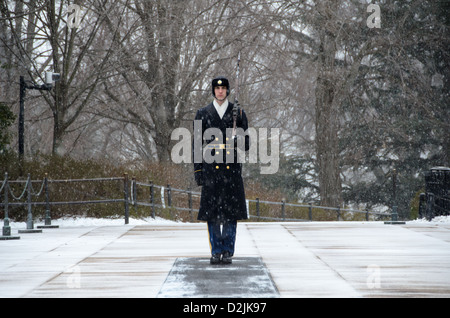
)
(330, 35)
(43, 41)
(164, 52)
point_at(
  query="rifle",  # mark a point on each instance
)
(236, 96)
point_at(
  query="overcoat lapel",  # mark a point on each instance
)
(214, 116)
(228, 116)
(225, 122)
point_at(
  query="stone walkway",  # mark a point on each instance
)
(317, 259)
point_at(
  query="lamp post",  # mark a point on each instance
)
(50, 77)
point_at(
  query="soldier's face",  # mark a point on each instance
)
(220, 92)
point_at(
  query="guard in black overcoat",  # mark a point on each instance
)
(222, 201)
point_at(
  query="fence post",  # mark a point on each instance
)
(30, 222)
(134, 195)
(126, 202)
(422, 203)
(152, 198)
(394, 215)
(169, 196)
(6, 227)
(367, 214)
(283, 210)
(430, 206)
(310, 211)
(338, 213)
(257, 208)
(190, 204)
(48, 218)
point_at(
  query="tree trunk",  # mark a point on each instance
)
(327, 125)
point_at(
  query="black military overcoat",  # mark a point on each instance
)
(223, 194)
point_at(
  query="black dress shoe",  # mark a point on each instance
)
(215, 259)
(226, 258)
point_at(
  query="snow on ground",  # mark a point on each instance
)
(88, 257)
(88, 221)
(437, 219)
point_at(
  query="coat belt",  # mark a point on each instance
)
(219, 146)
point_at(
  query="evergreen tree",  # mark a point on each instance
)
(398, 114)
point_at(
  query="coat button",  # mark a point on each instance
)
(228, 167)
(217, 167)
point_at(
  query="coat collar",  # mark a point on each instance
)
(221, 108)
(228, 113)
